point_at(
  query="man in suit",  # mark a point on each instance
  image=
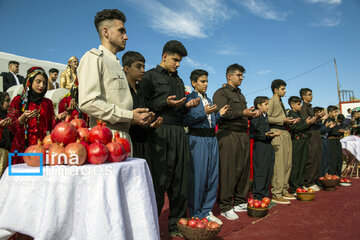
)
(12, 77)
(53, 75)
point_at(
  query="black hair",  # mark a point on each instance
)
(304, 91)
(2, 99)
(294, 99)
(276, 84)
(108, 14)
(260, 100)
(196, 74)
(53, 70)
(174, 47)
(233, 67)
(317, 109)
(349, 109)
(340, 118)
(332, 108)
(130, 57)
(13, 62)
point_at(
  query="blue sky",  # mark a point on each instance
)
(270, 38)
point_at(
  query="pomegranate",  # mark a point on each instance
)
(34, 161)
(263, 205)
(250, 201)
(84, 134)
(213, 225)
(205, 220)
(266, 200)
(183, 221)
(123, 142)
(191, 223)
(47, 142)
(76, 153)
(57, 154)
(116, 151)
(200, 224)
(78, 122)
(100, 133)
(257, 204)
(85, 144)
(97, 153)
(64, 132)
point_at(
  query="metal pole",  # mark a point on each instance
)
(338, 85)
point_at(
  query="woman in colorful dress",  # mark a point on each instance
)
(32, 114)
(5, 135)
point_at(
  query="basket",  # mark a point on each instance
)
(257, 212)
(305, 196)
(197, 233)
(330, 184)
(345, 184)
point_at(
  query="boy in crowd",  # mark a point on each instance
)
(314, 155)
(169, 164)
(335, 134)
(278, 121)
(263, 152)
(299, 144)
(234, 144)
(204, 171)
(134, 68)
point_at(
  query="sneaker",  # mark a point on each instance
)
(176, 233)
(289, 196)
(315, 188)
(211, 217)
(230, 215)
(242, 207)
(280, 200)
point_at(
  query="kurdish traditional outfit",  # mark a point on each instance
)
(5, 137)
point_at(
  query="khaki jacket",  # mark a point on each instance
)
(104, 91)
(276, 113)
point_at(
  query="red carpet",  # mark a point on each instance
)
(332, 215)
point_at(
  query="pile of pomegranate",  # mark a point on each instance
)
(259, 204)
(73, 138)
(345, 180)
(303, 190)
(329, 177)
(200, 224)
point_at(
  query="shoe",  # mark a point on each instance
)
(289, 196)
(242, 207)
(230, 215)
(271, 205)
(315, 188)
(211, 217)
(176, 233)
(280, 200)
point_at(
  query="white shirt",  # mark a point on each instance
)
(205, 102)
(16, 78)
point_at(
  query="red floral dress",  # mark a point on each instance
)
(65, 103)
(35, 130)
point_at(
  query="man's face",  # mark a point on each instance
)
(171, 62)
(201, 84)
(264, 107)
(116, 35)
(296, 106)
(235, 79)
(14, 68)
(334, 113)
(280, 91)
(53, 76)
(135, 72)
(307, 97)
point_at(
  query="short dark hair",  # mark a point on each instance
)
(53, 70)
(260, 100)
(130, 57)
(349, 109)
(174, 47)
(332, 108)
(108, 14)
(196, 74)
(233, 67)
(276, 84)
(294, 99)
(13, 62)
(317, 109)
(304, 91)
(340, 118)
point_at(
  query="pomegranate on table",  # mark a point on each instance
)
(64, 132)
(34, 161)
(100, 133)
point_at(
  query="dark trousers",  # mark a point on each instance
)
(204, 175)
(314, 158)
(325, 157)
(335, 163)
(141, 150)
(234, 178)
(263, 165)
(299, 157)
(169, 166)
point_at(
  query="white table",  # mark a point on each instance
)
(107, 201)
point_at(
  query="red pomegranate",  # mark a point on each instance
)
(47, 142)
(76, 153)
(57, 154)
(78, 122)
(116, 151)
(100, 133)
(84, 134)
(34, 161)
(85, 144)
(97, 153)
(64, 132)
(123, 142)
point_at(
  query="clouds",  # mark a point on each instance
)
(195, 64)
(325, 1)
(264, 9)
(329, 17)
(185, 19)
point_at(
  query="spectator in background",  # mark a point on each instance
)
(5, 135)
(53, 75)
(349, 115)
(12, 77)
(68, 76)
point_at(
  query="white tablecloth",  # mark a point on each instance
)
(107, 201)
(352, 144)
